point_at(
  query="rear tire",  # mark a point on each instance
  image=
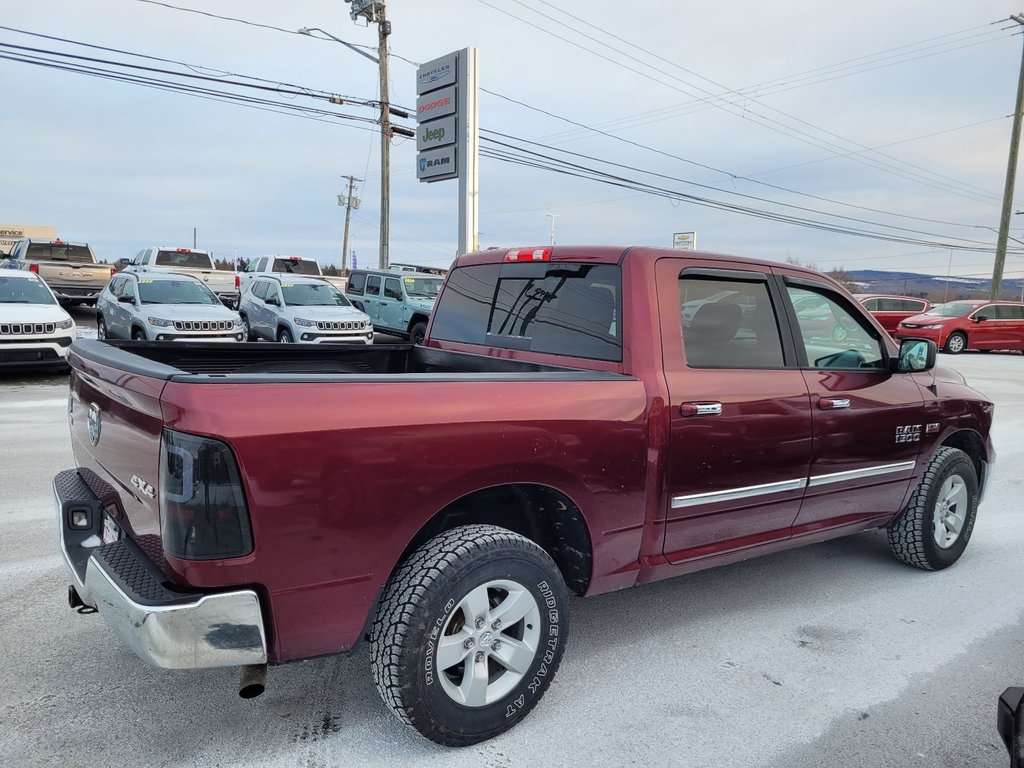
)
(444, 659)
(956, 343)
(933, 531)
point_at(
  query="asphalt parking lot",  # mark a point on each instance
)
(834, 654)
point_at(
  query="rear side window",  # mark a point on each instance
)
(1009, 312)
(184, 258)
(554, 308)
(79, 254)
(356, 283)
(728, 324)
(909, 305)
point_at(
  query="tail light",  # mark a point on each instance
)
(203, 514)
(33, 268)
(238, 282)
(113, 271)
(528, 254)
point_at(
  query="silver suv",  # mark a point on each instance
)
(309, 310)
(164, 306)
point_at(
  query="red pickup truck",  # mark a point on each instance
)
(579, 419)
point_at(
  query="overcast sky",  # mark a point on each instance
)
(894, 114)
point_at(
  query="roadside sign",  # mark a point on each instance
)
(436, 104)
(437, 164)
(436, 74)
(685, 241)
(436, 133)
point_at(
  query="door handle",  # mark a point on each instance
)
(833, 403)
(700, 409)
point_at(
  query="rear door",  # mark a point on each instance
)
(868, 421)
(739, 414)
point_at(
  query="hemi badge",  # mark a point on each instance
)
(929, 428)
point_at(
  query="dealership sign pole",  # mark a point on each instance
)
(447, 136)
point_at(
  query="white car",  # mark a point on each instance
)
(163, 306)
(34, 330)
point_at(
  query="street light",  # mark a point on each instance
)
(310, 30)
(381, 60)
(552, 216)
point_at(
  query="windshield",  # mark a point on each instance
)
(296, 266)
(184, 258)
(313, 295)
(19, 290)
(422, 287)
(953, 309)
(175, 292)
(79, 254)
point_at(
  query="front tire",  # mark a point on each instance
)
(246, 328)
(469, 633)
(933, 531)
(956, 343)
(101, 328)
(138, 334)
(285, 336)
(417, 333)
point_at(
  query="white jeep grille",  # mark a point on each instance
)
(202, 325)
(338, 325)
(26, 329)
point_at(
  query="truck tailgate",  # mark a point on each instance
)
(116, 427)
(69, 273)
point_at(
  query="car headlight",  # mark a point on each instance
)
(935, 327)
(305, 323)
(237, 322)
(160, 323)
(65, 324)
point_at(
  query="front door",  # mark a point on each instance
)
(740, 419)
(868, 421)
(392, 306)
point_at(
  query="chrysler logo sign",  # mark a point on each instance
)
(95, 424)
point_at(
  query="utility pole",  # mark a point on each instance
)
(349, 202)
(383, 30)
(1011, 174)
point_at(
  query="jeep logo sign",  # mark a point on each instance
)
(437, 164)
(436, 133)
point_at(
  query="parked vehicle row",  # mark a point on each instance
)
(286, 265)
(35, 331)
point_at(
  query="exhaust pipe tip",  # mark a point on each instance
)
(253, 682)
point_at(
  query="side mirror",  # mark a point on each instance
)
(916, 355)
(123, 262)
(126, 299)
(1010, 721)
(980, 319)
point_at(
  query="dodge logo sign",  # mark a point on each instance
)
(95, 423)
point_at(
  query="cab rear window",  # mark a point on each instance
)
(187, 259)
(555, 308)
(296, 266)
(79, 254)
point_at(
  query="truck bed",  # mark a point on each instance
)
(266, 363)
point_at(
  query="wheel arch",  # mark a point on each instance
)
(417, 317)
(971, 443)
(541, 513)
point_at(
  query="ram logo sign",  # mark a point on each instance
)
(436, 164)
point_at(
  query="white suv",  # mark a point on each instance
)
(34, 330)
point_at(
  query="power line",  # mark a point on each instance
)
(758, 119)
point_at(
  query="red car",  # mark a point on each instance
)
(959, 325)
(890, 310)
